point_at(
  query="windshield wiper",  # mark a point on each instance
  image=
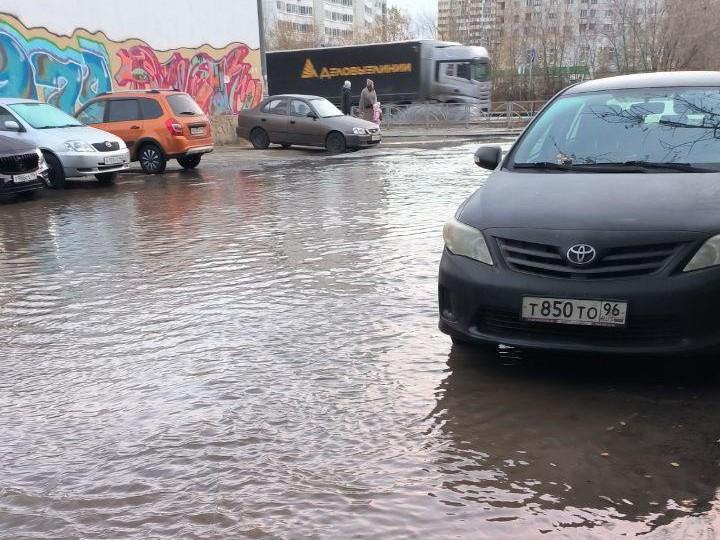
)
(674, 166)
(543, 165)
(60, 126)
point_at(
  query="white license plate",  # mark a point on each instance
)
(197, 131)
(114, 160)
(22, 178)
(376, 138)
(580, 312)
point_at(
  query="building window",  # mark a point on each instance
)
(592, 13)
(583, 13)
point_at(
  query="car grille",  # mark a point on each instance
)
(18, 164)
(639, 330)
(109, 146)
(615, 262)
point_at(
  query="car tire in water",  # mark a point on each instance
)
(151, 158)
(56, 173)
(107, 178)
(336, 143)
(189, 162)
(259, 139)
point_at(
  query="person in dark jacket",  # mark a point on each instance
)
(346, 99)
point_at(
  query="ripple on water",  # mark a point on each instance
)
(231, 355)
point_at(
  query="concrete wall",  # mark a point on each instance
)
(66, 52)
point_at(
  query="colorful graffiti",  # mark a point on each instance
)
(69, 71)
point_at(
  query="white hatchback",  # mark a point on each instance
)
(71, 149)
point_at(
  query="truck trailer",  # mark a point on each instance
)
(403, 72)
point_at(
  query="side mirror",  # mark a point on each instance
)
(312, 115)
(488, 157)
(11, 125)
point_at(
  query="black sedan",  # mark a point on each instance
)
(305, 121)
(600, 230)
(23, 170)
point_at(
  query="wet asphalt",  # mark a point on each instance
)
(250, 350)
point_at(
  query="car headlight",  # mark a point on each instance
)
(708, 255)
(467, 241)
(79, 146)
(359, 131)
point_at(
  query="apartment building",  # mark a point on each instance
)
(585, 23)
(324, 22)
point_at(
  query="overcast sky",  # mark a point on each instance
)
(414, 7)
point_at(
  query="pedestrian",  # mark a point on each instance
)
(346, 99)
(368, 98)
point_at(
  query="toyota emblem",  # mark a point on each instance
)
(581, 254)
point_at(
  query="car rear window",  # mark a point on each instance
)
(182, 104)
(150, 108)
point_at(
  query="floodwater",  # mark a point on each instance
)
(254, 354)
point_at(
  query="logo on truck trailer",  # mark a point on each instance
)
(309, 71)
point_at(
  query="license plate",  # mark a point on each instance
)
(579, 312)
(22, 178)
(375, 138)
(114, 160)
(197, 131)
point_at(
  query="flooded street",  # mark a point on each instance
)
(251, 351)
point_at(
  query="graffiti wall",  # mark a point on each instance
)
(68, 70)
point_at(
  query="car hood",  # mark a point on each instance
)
(56, 137)
(11, 147)
(347, 123)
(621, 202)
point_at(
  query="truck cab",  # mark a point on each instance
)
(459, 74)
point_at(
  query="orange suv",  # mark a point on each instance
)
(156, 125)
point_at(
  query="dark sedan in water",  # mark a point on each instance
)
(23, 170)
(600, 230)
(305, 121)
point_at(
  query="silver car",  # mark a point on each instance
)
(71, 149)
(306, 121)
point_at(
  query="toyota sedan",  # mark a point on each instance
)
(600, 229)
(305, 121)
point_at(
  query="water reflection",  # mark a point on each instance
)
(581, 442)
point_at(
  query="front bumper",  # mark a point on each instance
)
(10, 187)
(92, 163)
(667, 314)
(363, 141)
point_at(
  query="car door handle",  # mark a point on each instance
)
(134, 127)
(292, 121)
(263, 119)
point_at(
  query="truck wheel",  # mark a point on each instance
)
(151, 159)
(259, 139)
(56, 173)
(107, 178)
(335, 143)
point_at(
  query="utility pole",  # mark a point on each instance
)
(261, 37)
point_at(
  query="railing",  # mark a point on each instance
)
(507, 114)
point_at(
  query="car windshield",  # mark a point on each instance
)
(44, 116)
(632, 127)
(182, 104)
(325, 109)
(480, 71)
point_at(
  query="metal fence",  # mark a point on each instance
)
(501, 114)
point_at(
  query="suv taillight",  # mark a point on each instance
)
(174, 127)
